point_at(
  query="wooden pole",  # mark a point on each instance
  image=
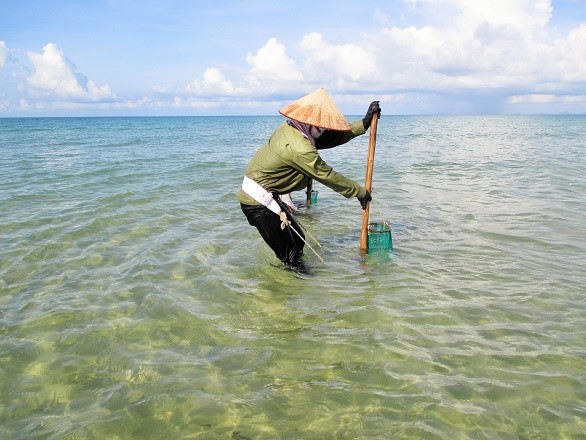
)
(368, 183)
(309, 188)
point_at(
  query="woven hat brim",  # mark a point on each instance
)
(318, 109)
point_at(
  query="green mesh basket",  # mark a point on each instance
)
(314, 197)
(379, 236)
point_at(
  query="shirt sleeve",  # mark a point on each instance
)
(309, 162)
(333, 138)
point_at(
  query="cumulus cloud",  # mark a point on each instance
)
(498, 47)
(270, 70)
(329, 62)
(272, 62)
(213, 83)
(54, 75)
(568, 57)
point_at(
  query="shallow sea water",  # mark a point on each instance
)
(136, 301)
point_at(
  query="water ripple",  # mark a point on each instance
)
(136, 302)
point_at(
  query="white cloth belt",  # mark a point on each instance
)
(260, 194)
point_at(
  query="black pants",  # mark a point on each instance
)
(285, 243)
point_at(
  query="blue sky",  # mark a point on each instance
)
(179, 57)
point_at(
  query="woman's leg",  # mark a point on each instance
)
(285, 243)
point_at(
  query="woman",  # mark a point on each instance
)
(289, 160)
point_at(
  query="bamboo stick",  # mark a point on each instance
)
(368, 183)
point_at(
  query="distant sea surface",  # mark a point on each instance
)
(137, 303)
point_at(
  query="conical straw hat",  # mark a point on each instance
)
(317, 109)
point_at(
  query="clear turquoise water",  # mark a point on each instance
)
(136, 301)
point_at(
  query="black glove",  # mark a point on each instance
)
(372, 110)
(367, 198)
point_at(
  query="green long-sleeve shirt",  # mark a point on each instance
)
(289, 160)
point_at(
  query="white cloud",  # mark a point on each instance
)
(328, 62)
(213, 82)
(569, 56)
(498, 51)
(490, 50)
(493, 44)
(272, 62)
(3, 50)
(532, 99)
(545, 99)
(270, 70)
(522, 15)
(380, 16)
(54, 75)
